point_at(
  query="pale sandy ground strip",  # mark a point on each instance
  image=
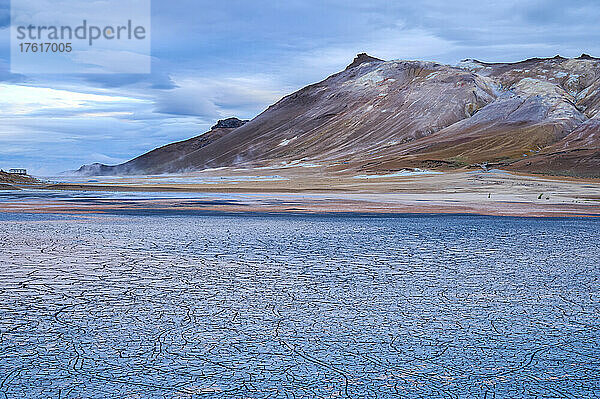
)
(475, 192)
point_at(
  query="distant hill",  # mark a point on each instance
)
(7, 179)
(539, 115)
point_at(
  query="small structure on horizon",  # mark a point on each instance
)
(17, 171)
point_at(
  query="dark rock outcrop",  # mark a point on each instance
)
(361, 59)
(229, 123)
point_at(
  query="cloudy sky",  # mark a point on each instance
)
(212, 60)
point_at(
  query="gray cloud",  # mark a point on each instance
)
(215, 98)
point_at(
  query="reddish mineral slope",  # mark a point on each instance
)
(538, 115)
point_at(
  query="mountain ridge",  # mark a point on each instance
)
(539, 115)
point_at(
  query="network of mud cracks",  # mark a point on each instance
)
(299, 307)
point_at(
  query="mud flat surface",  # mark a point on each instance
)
(298, 306)
(281, 284)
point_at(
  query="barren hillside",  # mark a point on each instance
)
(538, 115)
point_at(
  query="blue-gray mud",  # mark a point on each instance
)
(250, 306)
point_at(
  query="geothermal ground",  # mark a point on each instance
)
(309, 188)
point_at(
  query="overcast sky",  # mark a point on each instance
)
(212, 60)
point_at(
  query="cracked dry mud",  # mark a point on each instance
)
(299, 307)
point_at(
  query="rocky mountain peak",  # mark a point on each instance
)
(585, 56)
(362, 58)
